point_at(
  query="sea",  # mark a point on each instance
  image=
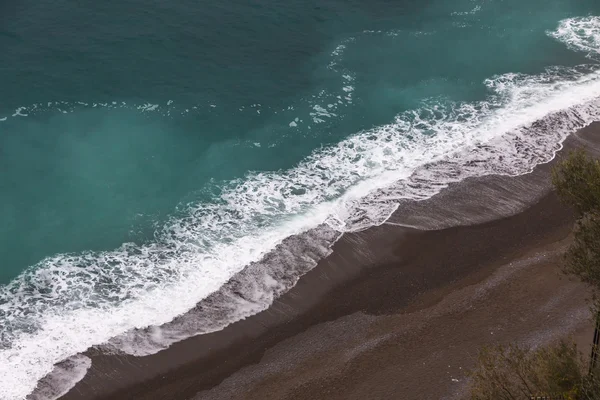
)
(169, 168)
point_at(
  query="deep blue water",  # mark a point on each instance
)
(119, 117)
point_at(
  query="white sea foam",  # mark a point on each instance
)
(19, 112)
(474, 11)
(63, 378)
(248, 292)
(148, 107)
(581, 34)
(319, 113)
(129, 297)
(338, 52)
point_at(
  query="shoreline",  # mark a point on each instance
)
(383, 272)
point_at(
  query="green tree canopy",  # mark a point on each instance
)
(514, 372)
(583, 256)
(577, 182)
(555, 371)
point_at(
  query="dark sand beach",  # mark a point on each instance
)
(397, 311)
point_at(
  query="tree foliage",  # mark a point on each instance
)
(514, 372)
(577, 182)
(583, 256)
(557, 371)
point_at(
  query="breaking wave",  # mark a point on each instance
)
(231, 257)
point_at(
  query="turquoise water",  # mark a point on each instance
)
(95, 178)
(201, 134)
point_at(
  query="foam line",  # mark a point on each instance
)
(130, 297)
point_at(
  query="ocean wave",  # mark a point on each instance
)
(580, 34)
(248, 292)
(315, 109)
(166, 109)
(230, 258)
(64, 377)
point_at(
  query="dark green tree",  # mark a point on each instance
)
(577, 183)
(582, 259)
(576, 180)
(556, 371)
(514, 372)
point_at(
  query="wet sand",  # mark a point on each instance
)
(397, 311)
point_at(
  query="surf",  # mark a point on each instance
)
(136, 299)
